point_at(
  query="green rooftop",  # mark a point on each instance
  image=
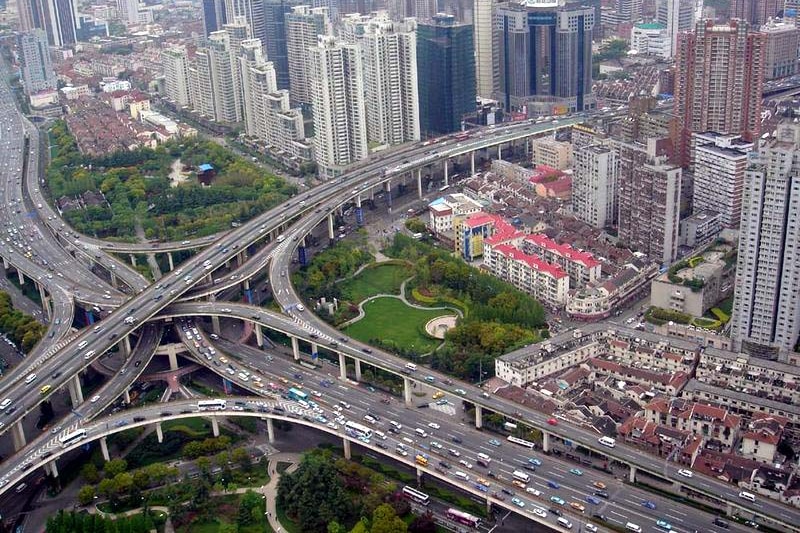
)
(651, 26)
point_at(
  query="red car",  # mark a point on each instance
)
(552, 421)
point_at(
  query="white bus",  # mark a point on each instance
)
(521, 442)
(607, 441)
(211, 405)
(415, 495)
(71, 438)
(521, 476)
(352, 428)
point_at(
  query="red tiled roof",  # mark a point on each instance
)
(564, 250)
(532, 261)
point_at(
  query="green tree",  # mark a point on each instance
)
(241, 457)
(362, 526)
(89, 473)
(385, 520)
(313, 495)
(114, 467)
(249, 501)
(86, 495)
(336, 527)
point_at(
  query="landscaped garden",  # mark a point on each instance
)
(383, 278)
(393, 325)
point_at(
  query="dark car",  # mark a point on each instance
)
(366, 350)
(506, 491)
(555, 511)
(601, 493)
(138, 419)
(55, 374)
(455, 439)
(444, 464)
(719, 522)
(137, 363)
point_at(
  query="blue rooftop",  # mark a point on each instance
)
(206, 167)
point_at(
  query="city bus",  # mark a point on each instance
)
(484, 460)
(521, 442)
(211, 405)
(415, 495)
(521, 476)
(462, 518)
(352, 428)
(298, 395)
(71, 438)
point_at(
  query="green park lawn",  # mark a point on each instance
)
(389, 319)
(379, 279)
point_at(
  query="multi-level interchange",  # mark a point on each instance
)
(63, 265)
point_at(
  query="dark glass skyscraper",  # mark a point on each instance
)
(544, 57)
(275, 38)
(213, 15)
(445, 74)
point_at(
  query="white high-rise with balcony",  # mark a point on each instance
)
(766, 308)
(303, 25)
(594, 184)
(337, 94)
(176, 75)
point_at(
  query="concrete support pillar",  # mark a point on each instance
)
(728, 509)
(295, 349)
(160, 433)
(346, 443)
(446, 171)
(170, 261)
(314, 348)
(246, 284)
(419, 182)
(500, 152)
(388, 188)
(21, 277)
(126, 345)
(215, 324)
(113, 279)
(488, 507)
(270, 431)
(632, 474)
(215, 426)
(5, 264)
(42, 296)
(407, 391)
(173, 357)
(419, 475)
(331, 235)
(133, 260)
(240, 258)
(472, 163)
(342, 367)
(53, 468)
(18, 435)
(545, 441)
(126, 395)
(358, 369)
(75, 391)
(104, 449)
(259, 334)
(478, 416)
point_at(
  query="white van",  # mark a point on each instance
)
(369, 419)
(749, 496)
(82, 344)
(421, 432)
(521, 476)
(88, 354)
(461, 475)
(5, 403)
(563, 522)
(281, 238)
(411, 366)
(633, 527)
(30, 379)
(607, 441)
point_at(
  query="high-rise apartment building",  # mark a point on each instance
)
(257, 80)
(303, 25)
(58, 19)
(37, 69)
(485, 71)
(756, 12)
(678, 16)
(215, 78)
(251, 12)
(337, 88)
(128, 11)
(445, 74)
(424, 10)
(629, 10)
(389, 56)
(649, 201)
(719, 163)
(718, 81)
(213, 15)
(274, 38)
(766, 309)
(544, 56)
(651, 38)
(176, 75)
(783, 40)
(594, 184)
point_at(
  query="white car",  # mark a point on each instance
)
(465, 464)
(533, 492)
(591, 527)
(433, 425)
(95, 398)
(436, 445)
(538, 511)
(685, 473)
(333, 426)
